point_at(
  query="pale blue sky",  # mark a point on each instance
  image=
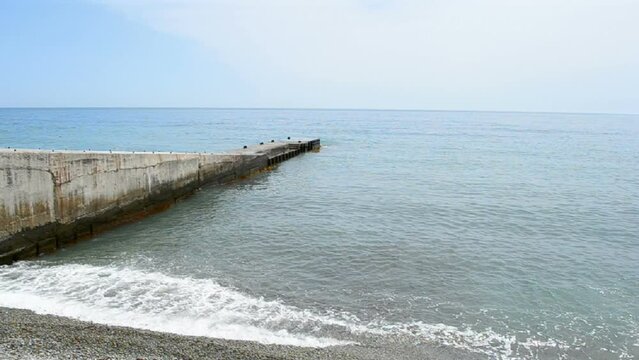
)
(523, 55)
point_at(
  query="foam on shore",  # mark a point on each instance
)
(123, 296)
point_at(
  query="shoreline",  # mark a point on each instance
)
(25, 334)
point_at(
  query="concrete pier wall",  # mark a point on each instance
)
(49, 199)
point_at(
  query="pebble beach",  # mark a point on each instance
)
(27, 335)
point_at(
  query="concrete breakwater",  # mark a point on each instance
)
(50, 199)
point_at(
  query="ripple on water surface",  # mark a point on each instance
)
(509, 234)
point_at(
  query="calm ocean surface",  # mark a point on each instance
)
(513, 235)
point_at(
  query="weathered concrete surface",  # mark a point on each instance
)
(52, 198)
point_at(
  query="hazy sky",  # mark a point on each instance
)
(541, 55)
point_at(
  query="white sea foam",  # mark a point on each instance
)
(202, 307)
(153, 301)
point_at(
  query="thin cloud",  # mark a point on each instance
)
(497, 54)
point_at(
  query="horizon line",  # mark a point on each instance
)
(313, 109)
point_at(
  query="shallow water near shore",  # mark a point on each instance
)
(512, 235)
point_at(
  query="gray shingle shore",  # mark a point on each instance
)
(27, 335)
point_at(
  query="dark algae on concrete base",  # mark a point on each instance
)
(51, 199)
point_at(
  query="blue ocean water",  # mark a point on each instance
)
(513, 235)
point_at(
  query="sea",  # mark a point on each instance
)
(507, 235)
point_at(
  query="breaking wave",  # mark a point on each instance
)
(201, 307)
